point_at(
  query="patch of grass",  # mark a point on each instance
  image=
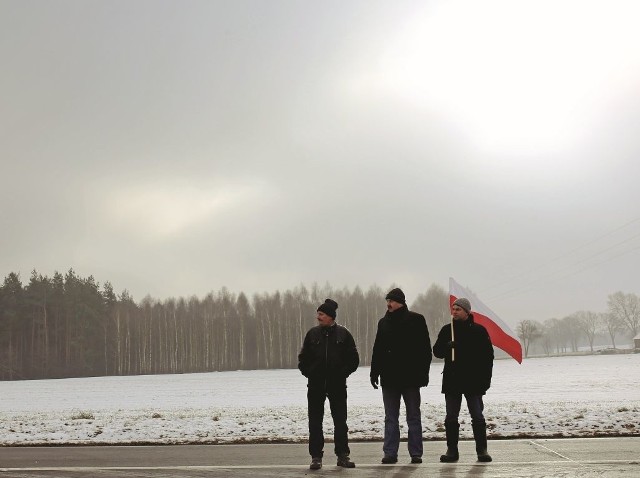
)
(83, 415)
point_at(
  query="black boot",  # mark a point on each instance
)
(480, 436)
(452, 430)
(345, 462)
(316, 463)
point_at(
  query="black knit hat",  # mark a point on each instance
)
(396, 295)
(329, 307)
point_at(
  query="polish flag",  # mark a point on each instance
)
(500, 334)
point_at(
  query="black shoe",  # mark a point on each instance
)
(416, 459)
(389, 460)
(484, 457)
(316, 463)
(345, 462)
(450, 456)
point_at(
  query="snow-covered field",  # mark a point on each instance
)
(544, 397)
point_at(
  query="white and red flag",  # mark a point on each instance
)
(500, 334)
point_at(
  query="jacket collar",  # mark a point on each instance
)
(464, 323)
(401, 312)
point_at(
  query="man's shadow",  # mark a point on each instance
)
(452, 471)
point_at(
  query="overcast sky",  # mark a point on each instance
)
(176, 147)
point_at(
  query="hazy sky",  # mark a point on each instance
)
(176, 147)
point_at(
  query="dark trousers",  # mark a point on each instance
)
(338, 404)
(474, 404)
(391, 398)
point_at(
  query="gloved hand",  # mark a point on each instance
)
(374, 382)
(451, 344)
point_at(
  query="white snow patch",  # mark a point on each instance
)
(543, 397)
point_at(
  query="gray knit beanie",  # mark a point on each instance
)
(463, 303)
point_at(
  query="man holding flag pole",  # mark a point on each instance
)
(466, 345)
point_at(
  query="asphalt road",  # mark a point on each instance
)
(575, 458)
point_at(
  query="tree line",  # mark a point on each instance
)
(70, 326)
(557, 336)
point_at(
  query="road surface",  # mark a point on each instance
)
(575, 458)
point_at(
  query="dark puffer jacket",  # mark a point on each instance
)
(472, 368)
(402, 350)
(328, 356)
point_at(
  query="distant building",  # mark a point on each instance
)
(636, 341)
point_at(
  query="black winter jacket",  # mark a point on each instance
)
(472, 368)
(328, 356)
(401, 354)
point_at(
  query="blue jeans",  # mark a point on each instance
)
(391, 399)
(474, 404)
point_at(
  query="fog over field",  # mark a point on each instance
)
(579, 396)
(175, 148)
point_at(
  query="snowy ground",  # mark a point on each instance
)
(544, 397)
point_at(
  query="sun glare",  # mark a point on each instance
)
(515, 77)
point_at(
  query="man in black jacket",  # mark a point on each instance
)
(467, 371)
(328, 356)
(401, 358)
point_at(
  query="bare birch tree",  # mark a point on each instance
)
(626, 308)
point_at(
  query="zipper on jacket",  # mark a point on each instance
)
(326, 360)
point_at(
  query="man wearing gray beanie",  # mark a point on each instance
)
(468, 364)
(401, 359)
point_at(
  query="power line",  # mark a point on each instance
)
(562, 256)
(528, 284)
(511, 293)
